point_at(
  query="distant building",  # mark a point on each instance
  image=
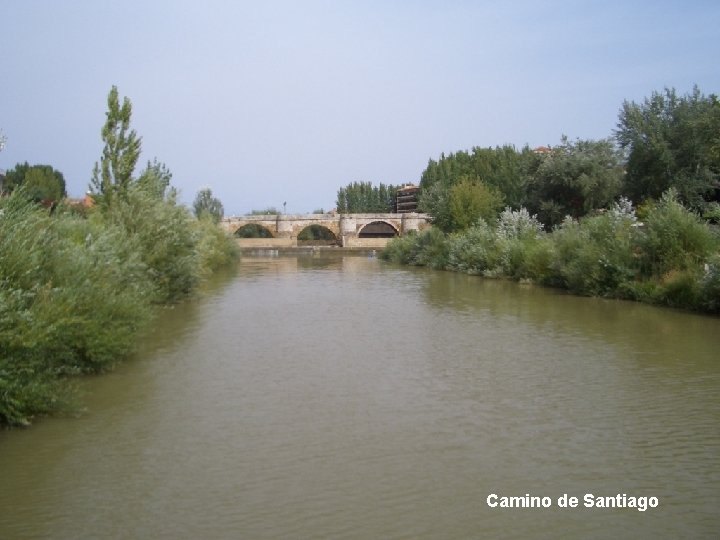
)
(86, 202)
(542, 150)
(406, 199)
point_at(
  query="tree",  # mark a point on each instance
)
(575, 178)
(503, 167)
(472, 200)
(112, 176)
(155, 179)
(39, 182)
(363, 197)
(435, 200)
(206, 205)
(672, 142)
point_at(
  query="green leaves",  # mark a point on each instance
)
(205, 205)
(39, 182)
(112, 176)
(472, 200)
(672, 142)
(75, 291)
(72, 297)
(575, 178)
(364, 198)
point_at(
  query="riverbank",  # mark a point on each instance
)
(667, 256)
(76, 290)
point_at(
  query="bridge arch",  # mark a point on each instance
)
(378, 229)
(253, 230)
(316, 234)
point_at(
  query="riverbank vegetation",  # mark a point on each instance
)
(633, 218)
(77, 285)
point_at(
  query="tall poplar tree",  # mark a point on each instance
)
(112, 176)
(207, 205)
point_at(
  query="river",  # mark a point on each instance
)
(343, 397)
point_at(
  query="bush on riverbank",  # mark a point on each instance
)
(75, 292)
(671, 259)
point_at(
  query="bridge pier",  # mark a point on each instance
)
(348, 229)
(284, 227)
(413, 222)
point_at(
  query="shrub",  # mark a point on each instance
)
(710, 286)
(674, 238)
(102, 281)
(72, 297)
(712, 212)
(679, 288)
(516, 234)
(215, 247)
(473, 251)
(164, 236)
(426, 248)
(518, 224)
(400, 249)
(595, 256)
(538, 261)
(430, 249)
(75, 292)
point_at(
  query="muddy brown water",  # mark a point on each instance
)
(343, 397)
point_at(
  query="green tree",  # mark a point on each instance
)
(40, 182)
(575, 178)
(205, 205)
(503, 167)
(112, 176)
(471, 200)
(363, 197)
(435, 200)
(672, 142)
(155, 179)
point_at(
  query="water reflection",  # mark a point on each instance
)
(647, 331)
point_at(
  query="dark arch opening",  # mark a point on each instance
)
(253, 230)
(316, 235)
(378, 229)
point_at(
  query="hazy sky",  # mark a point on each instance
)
(274, 101)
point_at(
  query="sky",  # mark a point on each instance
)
(279, 102)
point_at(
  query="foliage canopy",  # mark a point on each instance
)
(205, 205)
(39, 182)
(672, 142)
(364, 198)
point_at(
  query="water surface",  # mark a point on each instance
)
(342, 397)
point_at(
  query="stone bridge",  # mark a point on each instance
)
(350, 230)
